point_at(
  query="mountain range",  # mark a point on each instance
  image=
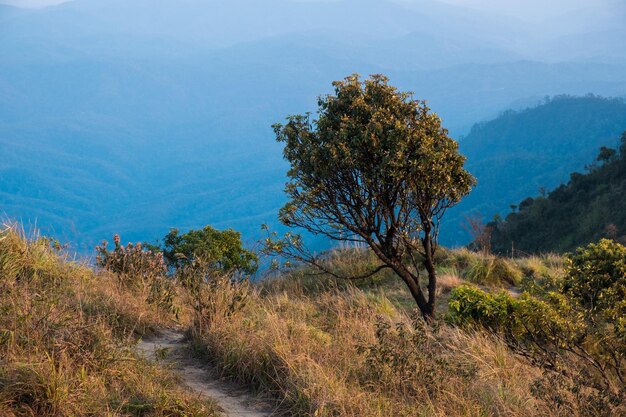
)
(135, 116)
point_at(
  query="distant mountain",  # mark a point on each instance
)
(133, 116)
(520, 152)
(589, 207)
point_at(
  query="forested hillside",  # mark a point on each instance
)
(522, 152)
(589, 207)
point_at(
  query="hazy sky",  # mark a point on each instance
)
(535, 9)
(32, 3)
(526, 7)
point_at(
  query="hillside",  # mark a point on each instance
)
(521, 152)
(589, 207)
(313, 345)
(135, 116)
(68, 336)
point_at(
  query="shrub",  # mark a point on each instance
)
(576, 332)
(470, 305)
(141, 270)
(408, 359)
(221, 250)
(135, 266)
(596, 279)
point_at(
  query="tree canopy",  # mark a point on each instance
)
(377, 168)
(221, 250)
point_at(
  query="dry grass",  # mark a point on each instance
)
(66, 341)
(352, 353)
(447, 281)
(322, 347)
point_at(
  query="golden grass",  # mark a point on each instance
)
(320, 346)
(67, 339)
(328, 354)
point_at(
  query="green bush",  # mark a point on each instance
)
(596, 279)
(577, 332)
(470, 306)
(221, 250)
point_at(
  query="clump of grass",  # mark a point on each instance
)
(485, 269)
(448, 278)
(67, 337)
(546, 271)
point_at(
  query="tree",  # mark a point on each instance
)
(375, 168)
(606, 154)
(220, 250)
(479, 231)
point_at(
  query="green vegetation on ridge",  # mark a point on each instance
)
(590, 206)
(520, 152)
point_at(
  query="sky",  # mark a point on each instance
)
(532, 11)
(525, 7)
(32, 3)
(535, 10)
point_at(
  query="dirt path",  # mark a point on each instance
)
(170, 348)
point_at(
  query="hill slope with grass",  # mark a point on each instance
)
(589, 207)
(318, 346)
(67, 340)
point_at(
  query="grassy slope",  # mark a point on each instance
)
(326, 348)
(67, 338)
(321, 347)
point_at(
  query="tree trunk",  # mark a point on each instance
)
(429, 265)
(412, 283)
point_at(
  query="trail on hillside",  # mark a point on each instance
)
(169, 347)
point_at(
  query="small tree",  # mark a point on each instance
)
(218, 250)
(376, 168)
(606, 154)
(480, 232)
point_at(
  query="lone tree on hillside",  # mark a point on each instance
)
(375, 168)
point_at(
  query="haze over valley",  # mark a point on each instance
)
(132, 117)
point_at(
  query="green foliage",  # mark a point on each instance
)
(591, 206)
(469, 305)
(596, 277)
(576, 331)
(220, 250)
(376, 168)
(606, 154)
